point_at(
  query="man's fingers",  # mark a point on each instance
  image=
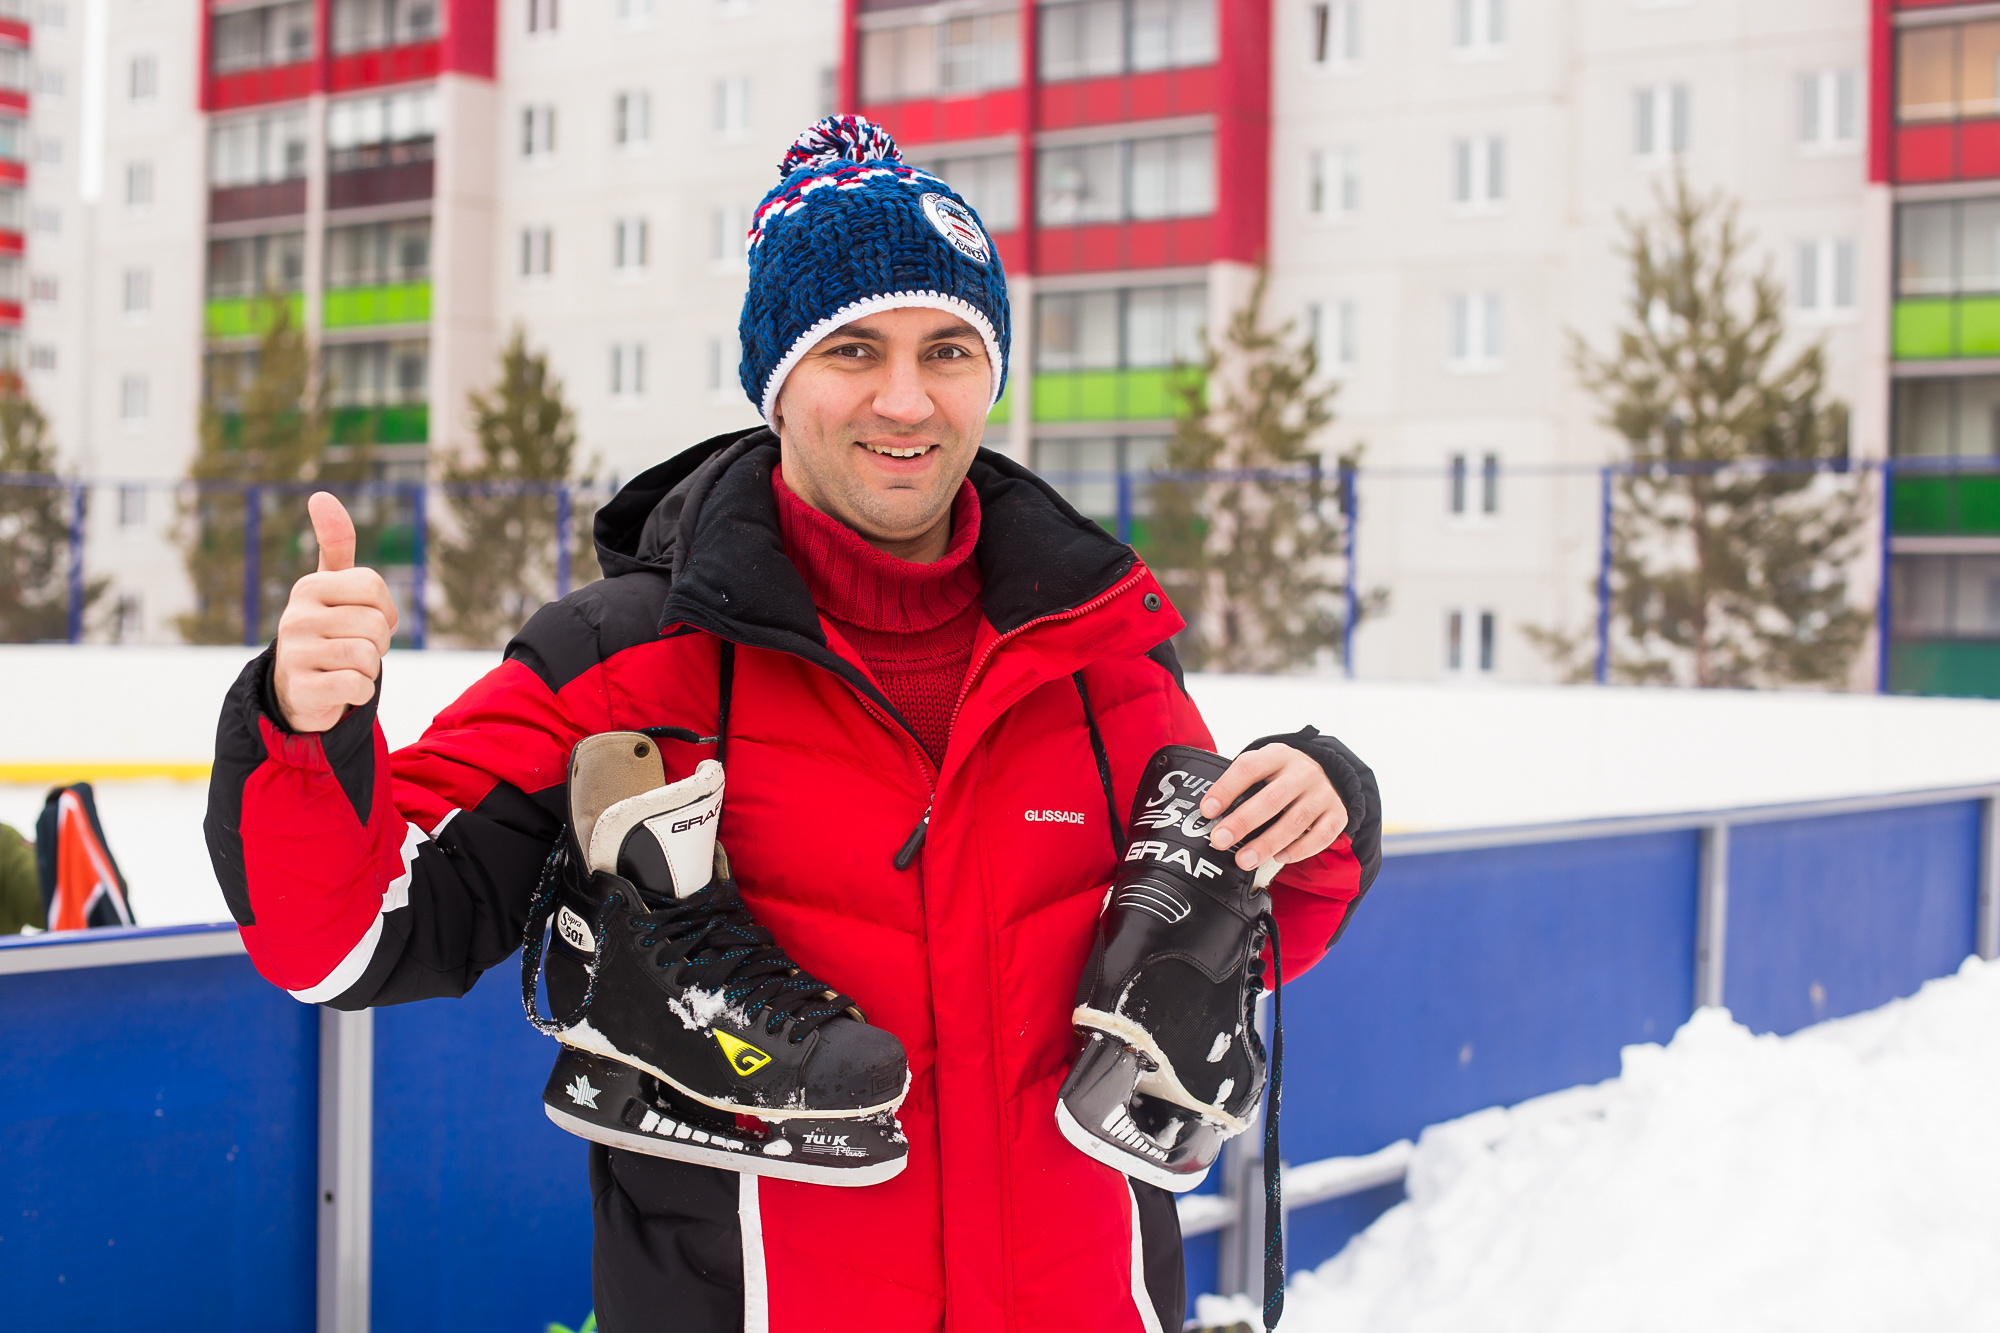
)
(333, 530)
(1244, 772)
(1315, 839)
(1279, 791)
(315, 691)
(1284, 831)
(346, 621)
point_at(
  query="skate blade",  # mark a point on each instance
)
(1160, 1081)
(587, 1039)
(612, 1104)
(1173, 1149)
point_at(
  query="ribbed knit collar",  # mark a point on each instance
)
(856, 584)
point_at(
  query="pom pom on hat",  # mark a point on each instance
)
(839, 139)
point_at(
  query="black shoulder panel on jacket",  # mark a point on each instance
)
(1163, 653)
(567, 638)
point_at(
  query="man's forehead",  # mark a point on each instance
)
(941, 324)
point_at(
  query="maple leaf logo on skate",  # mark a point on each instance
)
(744, 1058)
(582, 1093)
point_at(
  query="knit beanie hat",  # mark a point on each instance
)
(850, 230)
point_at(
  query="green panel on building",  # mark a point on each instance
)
(407, 423)
(358, 307)
(1979, 326)
(1969, 668)
(396, 544)
(249, 316)
(1106, 395)
(1003, 411)
(1943, 506)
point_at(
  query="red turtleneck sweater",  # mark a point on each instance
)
(912, 624)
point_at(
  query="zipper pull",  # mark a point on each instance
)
(915, 842)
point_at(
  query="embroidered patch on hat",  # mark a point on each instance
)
(954, 222)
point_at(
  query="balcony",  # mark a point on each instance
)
(1116, 246)
(244, 203)
(1952, 504)
(1110, 395)
(401, 423)
(361, 307)
(1153, 95)
(1967, 668)
(249, 316)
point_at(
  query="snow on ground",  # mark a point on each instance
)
(1845, 1179)
(1447, 755)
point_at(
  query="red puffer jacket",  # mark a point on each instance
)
(359, 878)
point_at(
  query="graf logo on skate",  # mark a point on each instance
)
(582, 1093)
(575, 931)
(744, 1058)
(1198, 866)
(1053, 816)
(696, 821)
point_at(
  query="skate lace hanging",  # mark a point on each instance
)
(1274, 1188)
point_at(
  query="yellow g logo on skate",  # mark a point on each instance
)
(744, 1058)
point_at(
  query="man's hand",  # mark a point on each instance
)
(335, 629)
(1294, 783)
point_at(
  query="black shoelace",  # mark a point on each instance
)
(1274, 1190)
(722, 948)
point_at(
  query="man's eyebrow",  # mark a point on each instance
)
(874, 335)
(952, 331)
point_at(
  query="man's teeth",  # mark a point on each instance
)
(912, 452)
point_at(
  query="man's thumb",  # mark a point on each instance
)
(333, 530)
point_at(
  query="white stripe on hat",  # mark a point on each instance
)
(874, 305)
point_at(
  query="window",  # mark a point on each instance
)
(41, 356)
(1946, 596)
(363, 133)
(54, 15)
(377, 374)
(256, 150)
(628, 244)
(379, 254)
(138, 184)
(143, 79)
(1459, 493)
(16, 69)
(904, 57)
(1083, 39)
(537, 252)
(48, 149)
(138, 291)
(1660, 122)
(1120, 328)
(46, 220)
(49, 82)
(829, 90)
(728, 235)
(1165, 177)
(1489, 484)
(1333, 182)
(541, 15)
(1948, 247)
(1330, 330)
(1334, 33)
(367, 25)
(43, 288)
(1478, 173)
(1085, 471)
(280, 34)
(131, 506)
(1947, 418)
(13, 139)
(132, 395)
(1948, 70)
(1478, 27)
(1475, 332)
(538, 130)
(13, 209)
(723, 357)
(731, 98)
(628, 369)
(1829, 109)
(255, 265)
(10, 277)
(1461, 656)
(631, 118)
(990, 182)
(1825, 282)
(635, 13)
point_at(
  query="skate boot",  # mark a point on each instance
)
(1172, 1065)
(687, 1031)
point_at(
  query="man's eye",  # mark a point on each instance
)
(852, 351)
(949, 352)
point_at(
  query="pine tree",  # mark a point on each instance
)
(1249, 560)
(271, 429)
(1731, 571)
(34, 526)
(500, 563)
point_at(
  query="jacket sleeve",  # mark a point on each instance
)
(1313, 900)
(359, 878)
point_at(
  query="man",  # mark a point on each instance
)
(933, 685)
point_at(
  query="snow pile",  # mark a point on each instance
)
(1840, 1180)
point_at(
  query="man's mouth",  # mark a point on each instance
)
(898, 450)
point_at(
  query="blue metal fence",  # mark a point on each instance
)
(172, 1151)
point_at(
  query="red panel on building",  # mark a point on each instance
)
(385, 65)
(12, 243)
(10, 312)
(1978, 149)
(1881, 100)
(12, 173)
(1115, 246)
(1154, 96)
(930, 122)
(241, 203)
(1924, 153)
(13, 101)
(470, 37)
(1243, 131)
(15, 31)
(255, 87)
(1012, 250)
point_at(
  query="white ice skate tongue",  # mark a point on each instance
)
(682, 816)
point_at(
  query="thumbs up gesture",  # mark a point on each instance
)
(336, 626)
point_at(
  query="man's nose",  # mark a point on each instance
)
(901, 397)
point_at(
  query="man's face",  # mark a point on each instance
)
(878, 424)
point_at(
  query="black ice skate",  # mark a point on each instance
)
(1173, 1065)
(688, 1032)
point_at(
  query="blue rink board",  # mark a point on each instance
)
(158, 1149)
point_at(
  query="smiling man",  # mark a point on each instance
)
(932, 685)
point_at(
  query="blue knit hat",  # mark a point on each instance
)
(851, 230)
